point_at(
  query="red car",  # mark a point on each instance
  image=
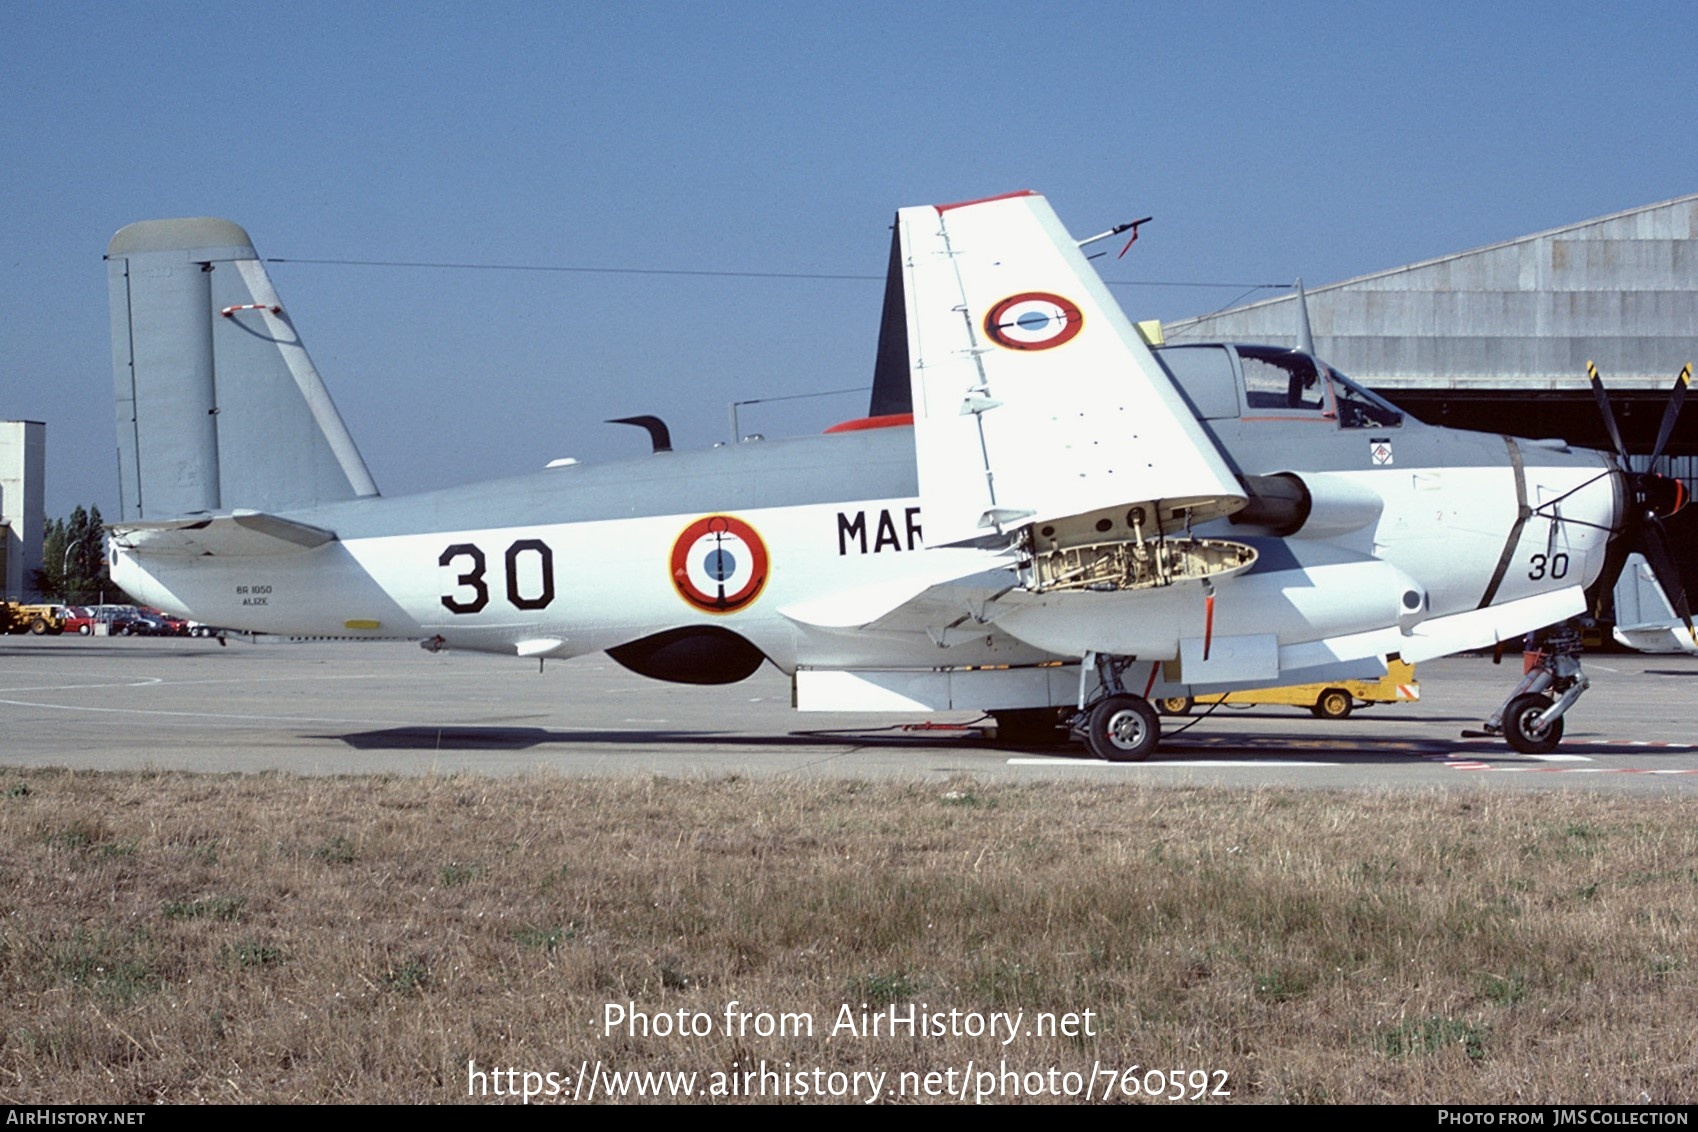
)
(79, 619)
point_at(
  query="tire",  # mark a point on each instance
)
(1335, 703)
(1176, 705)
(39, 627)
(1520, 730)
(85, 630)
(1123, 729)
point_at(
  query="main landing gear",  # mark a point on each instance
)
(1118, 726)
(1122, 729)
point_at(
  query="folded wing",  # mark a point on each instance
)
(1035, 399)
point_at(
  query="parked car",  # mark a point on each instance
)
(147, 623)
(116, 618)
(174, 626)
(79, 619)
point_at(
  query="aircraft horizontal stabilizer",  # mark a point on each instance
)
(238, 534)
(1035, 399)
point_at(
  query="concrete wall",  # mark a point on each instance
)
(23, 470)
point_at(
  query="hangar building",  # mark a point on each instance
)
(1498, 338)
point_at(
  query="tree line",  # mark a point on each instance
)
(73, 561)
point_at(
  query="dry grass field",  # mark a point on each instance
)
(180, 938)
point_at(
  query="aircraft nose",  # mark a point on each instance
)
(1661, 495)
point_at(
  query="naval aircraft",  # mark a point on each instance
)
(1041, 517)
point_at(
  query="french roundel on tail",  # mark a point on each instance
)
(1034, 396)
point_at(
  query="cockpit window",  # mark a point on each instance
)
(1281, 380)
(1358, 408)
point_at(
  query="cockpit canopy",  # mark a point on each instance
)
(1272, 382)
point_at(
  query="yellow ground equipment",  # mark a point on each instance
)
(16, 617)
(1325, 701)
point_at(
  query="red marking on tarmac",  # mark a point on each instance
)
(1572, 769)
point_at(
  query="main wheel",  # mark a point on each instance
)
(1335, 703)
(1175, 705)
(1521, 728)
(1123, 729)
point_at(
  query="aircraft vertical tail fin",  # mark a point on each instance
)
(891, 390)
(218, 404)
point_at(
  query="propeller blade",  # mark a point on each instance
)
(1603, 399)
(1677, 398)
(1603, 590)
(1655, 547)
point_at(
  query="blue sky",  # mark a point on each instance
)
(1268, 140)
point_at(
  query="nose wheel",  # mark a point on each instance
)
(1123, 729)
(1521, 725)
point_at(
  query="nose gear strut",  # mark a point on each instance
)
(1530, 719)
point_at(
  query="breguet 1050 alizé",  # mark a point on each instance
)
(1041, 518)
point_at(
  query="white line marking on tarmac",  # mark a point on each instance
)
(1168, 762)
(1560, 758)
(162, 682)
(149, 682)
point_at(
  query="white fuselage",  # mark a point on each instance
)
(569, 588)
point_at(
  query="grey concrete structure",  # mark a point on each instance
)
(1499, 337)
(23, 469)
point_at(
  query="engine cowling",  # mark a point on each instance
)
(1307, 505)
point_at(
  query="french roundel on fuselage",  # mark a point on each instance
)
(719, 564)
